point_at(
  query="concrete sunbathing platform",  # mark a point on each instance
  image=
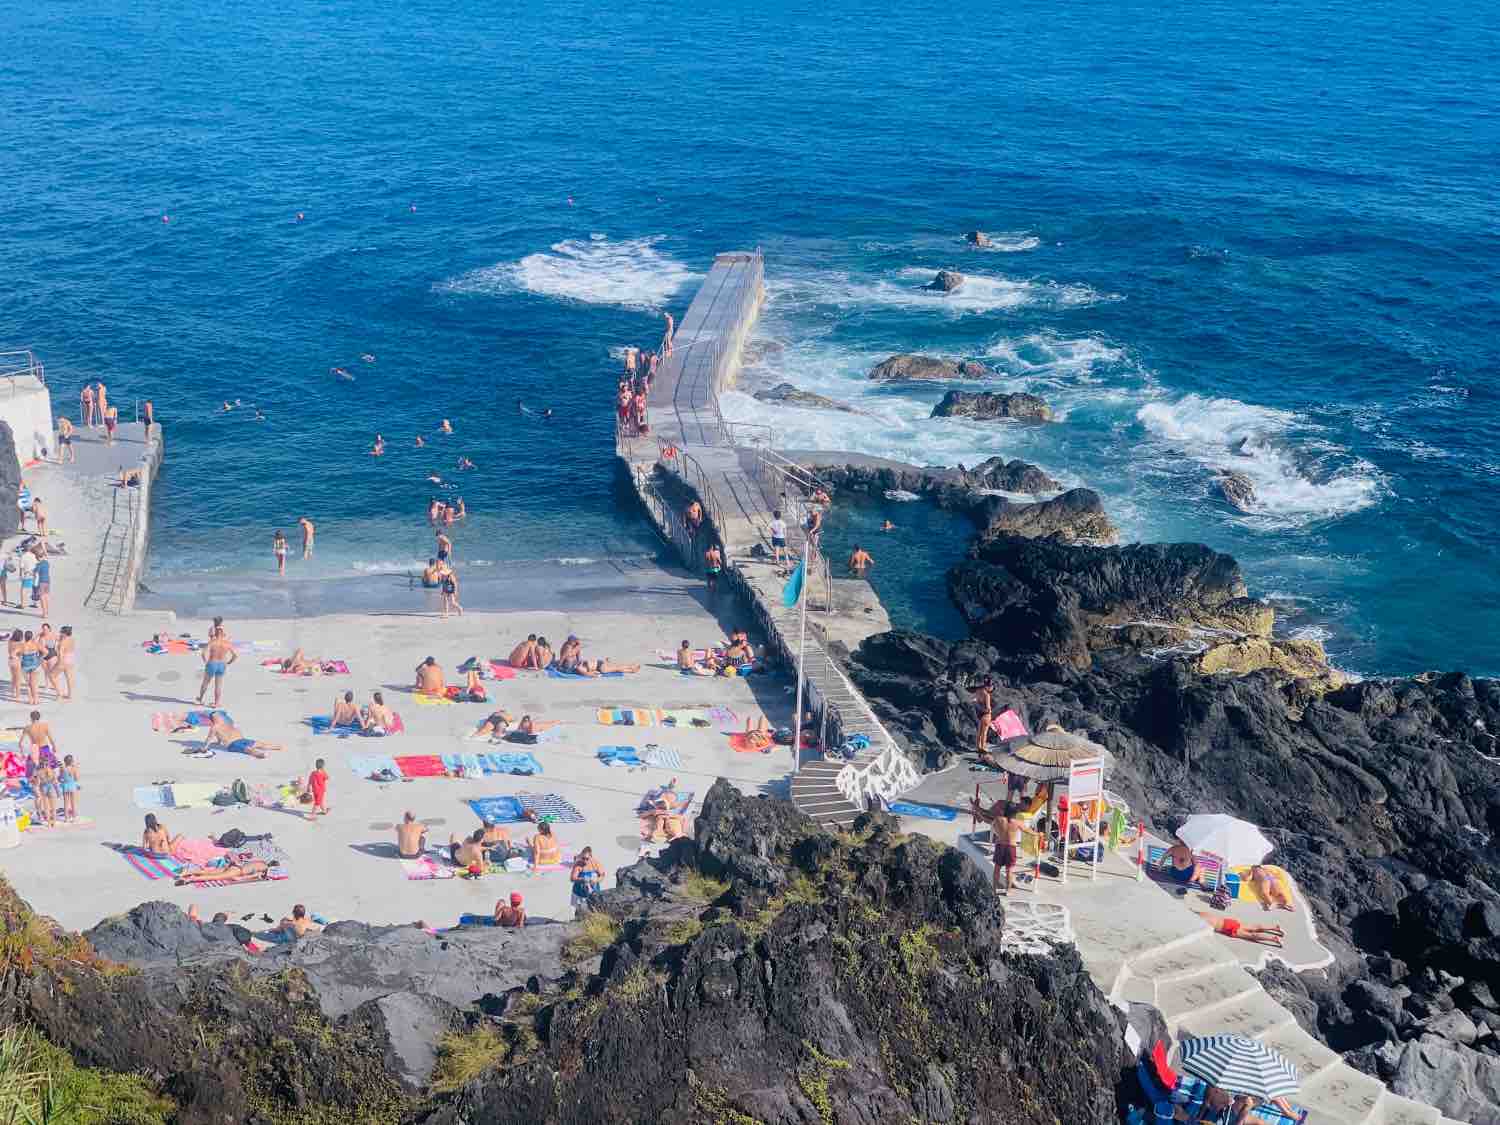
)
(73, 876)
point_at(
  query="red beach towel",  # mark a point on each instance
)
(421, 765)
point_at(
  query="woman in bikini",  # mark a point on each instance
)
(13, 655)
(31, 660)
(546, 849)
(156, 840)
(86, 404)
(67, 660)
(495, 726)
(241, 869)
(111, 420)
(278, 545)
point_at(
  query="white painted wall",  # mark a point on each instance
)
(26, 406)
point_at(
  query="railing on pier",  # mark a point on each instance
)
(20, 364)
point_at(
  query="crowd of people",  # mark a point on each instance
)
(636, 376)
(53, 654)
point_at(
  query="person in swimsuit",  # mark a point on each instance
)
(243, 868)
(31, 659)
(888, 526)
(814, 530)
(1233, 927)
(758, 734)
(156, 840)
(223, 733)
(67, 659)
(429, 678)
(449, 590)
(27, 567)
(778, 539)
(1180, 865)
(546, 848)
(378, 449)
(218, 655)
(309, 532)
(42, 587)
(411, 836)
(430, 579)
(693, 518)
(65, 450)
(111, 420)
(512, 915)
(101, 401)
(278, 545)
(148, 415)
(86, 405)
(568, 656)
(298, 664)
(345, 713)
(467, 852)
(13, 654)
(444, 547)
(541, 656)
(446, 427)
(44, 785)
(1005, 834)
(70, 786)
(39, 514)
(984, 712)
(495, 836)
(494, 726)
(520, 656)
(379, 719)
(860, 561)
(587, 874)
(687, 662)
(713, 565)
(1269, 889)
(666, 337)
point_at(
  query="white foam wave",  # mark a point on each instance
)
(1011, 242)
(1320, 633)
(905, 289)
(901, 494)
(632, 273)
(1297, 477)
(1047, 355)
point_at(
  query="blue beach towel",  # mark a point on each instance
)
(557, 673)
(497, 810)
(662, 757)
(619, 756)
(463, 765)
(511, 762)
(366, 764)
(323, 724)
(931, 812)
(476, 920)
(549, 806)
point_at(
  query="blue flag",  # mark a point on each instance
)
(793, 589)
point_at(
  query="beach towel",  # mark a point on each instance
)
(422, 699)
(913, 808)
(618, 756)
(556, 673)
(367, 764)
(187, 794)
(166, 721)
(728, 720)
(497, 810)
(151, 866)
(323, 724)
(421, 765)
(627, 716)
(740, 743)
(1278, 876)
(511, 762)
(661, 757)
(197, 851)
(476, 920)
(152, 796)
(425, 868)
(463, 765)
(1008, 725)
(500, 670)
(549, 806)
(335, 668)
(458, 693)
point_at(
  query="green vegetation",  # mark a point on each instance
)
(716, 1108)
(918, 955)
(636, 985)
(464, 1055)
(599, 932)
(683, 931)
(812, 1080)
(799, 889)
(41, 1085)
(699, 886)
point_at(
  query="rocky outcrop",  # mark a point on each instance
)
(764, 970)
(977, 238)
(790, 395)
(946, 281)
(985, 406)
(1302, 659)
(1077, 516)
(1043, 599)
(908, 367)
(10, 482)
(1237, 489)
(958, 487)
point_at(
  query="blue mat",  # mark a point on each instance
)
(557, 673)
(510, 762)
(619, 756)
(323, 724)
(476, 920)
(463, 765)
(366, 764)
(931, 812)
(497, 810)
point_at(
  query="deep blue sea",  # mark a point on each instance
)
(1269, 228)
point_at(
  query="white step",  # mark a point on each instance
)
(1146, 974)
(1253, 1014)
(1341, 1093)
(1392, 1109)
(1180, 998)
(1303, 1051)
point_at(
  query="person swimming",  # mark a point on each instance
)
(340, 373)
(368, 357)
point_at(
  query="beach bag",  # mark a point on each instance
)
(234, 838)
(240, 791)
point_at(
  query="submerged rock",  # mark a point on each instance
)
(1076, 516)
(946, 281)
(912, 367)
(984, 405)
(790, 395)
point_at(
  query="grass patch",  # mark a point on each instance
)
(683, 931)
(702, 888)
(635, 986)
(812, 1080)
(464, 1055)
(918, 955)
(41, 1085)
(599, 932)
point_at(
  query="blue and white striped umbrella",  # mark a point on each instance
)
(1240, 1065)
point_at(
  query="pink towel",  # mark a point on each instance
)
(198, 851)
(1008, 724)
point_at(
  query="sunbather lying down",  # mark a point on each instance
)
(1233, 927)
(1269, 889)
(758, 732)
(494, 726)
(299, 664)
(230, 737)
(240, 869)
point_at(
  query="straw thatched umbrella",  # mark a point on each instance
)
(1048, 757)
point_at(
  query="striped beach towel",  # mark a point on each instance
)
(661, 757)
(551, 806)
(151, 866)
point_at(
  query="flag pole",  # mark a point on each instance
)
(801, 652)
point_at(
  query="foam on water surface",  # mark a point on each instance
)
(633, 273)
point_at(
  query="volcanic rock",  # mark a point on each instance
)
(1238, 489)
(1075, 516)
(984, 406)
(946, 281)
(948, 488)
(1461, 1082)
(913, 367)
(1304, 659)
(790, 395)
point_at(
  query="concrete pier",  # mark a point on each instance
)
(735, 473)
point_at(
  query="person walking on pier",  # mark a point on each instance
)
(666, 339)
(65, 452)
(778, 539)
(713, 566)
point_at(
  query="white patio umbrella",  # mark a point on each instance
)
(1237, 841)
(1240, 1065)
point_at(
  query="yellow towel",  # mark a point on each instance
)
(1278, 876)
(424, 700)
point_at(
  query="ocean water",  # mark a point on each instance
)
(1255, 237)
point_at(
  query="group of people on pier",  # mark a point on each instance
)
(636, 377)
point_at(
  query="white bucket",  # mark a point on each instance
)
(10, 834)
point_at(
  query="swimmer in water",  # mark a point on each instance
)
(368, 357)
(447, 426)
(378, 449)
(888, 526)
(434, 509)
(227, 408)
(434, 478)
(459, 511)
(420, 442)
(340, 373)
(300, 216)
(465, 463)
